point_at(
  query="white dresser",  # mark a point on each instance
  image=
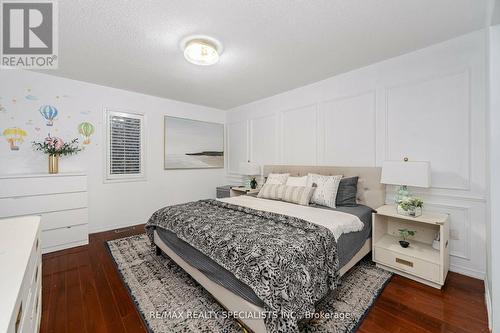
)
(60, 199)
(21, 277)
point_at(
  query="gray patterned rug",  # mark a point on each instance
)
(169, 300)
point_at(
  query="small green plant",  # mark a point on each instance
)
(405, 233)
(409, 204)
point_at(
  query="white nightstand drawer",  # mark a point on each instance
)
(411, 265)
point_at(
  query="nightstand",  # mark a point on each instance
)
(223, 191)
(241, 190)
(420, 261)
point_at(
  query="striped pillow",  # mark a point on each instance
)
(298, 194)
(271, 191)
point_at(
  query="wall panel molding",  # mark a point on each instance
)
(263, 143)
(428, 105)
(299, 135)
(236, 145)
(464, 74)
(455, 249)
(349, 130)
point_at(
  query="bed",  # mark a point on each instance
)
(234, 291)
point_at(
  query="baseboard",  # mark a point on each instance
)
(113, 227)
(487, 299)
(468, 272)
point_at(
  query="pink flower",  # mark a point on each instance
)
(54, 142)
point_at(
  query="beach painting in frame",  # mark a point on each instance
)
(193, 144)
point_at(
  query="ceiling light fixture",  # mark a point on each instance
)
(201, 50)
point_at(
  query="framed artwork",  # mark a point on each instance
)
(193, 144)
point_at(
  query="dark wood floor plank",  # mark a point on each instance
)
(106, 297)
(83, 292)
(58, 295)
(133, 323)
(57, 306)
(391, 322)
(441, 308)
(92, 314)
(74, 302)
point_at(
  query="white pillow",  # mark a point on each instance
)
(326, 189)
(296, 181)
(277, 178)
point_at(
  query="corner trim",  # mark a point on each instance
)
(487, 300)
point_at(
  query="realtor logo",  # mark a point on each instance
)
(29, 34)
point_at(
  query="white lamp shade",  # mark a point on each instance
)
(249, 169)
(406, 173)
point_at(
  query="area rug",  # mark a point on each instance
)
(169, 300)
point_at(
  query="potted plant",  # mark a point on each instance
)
(405, 233)
(55, 147)
(410, 207)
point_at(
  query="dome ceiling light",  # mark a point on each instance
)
(201, 50)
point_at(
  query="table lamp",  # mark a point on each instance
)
(406, 173)
(250, 169)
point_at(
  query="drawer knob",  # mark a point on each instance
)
(404, 262)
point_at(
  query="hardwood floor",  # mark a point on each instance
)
(82, 292)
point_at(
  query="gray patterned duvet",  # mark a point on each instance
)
(347, 246)
(288, 262)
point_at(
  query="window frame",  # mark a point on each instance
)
(115, 178)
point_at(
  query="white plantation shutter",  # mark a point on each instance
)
(125, 145)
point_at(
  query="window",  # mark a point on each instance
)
(125, 146)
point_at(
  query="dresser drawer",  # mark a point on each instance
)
(29, 288)
(41, 204)
(66, 235)
(411, 265)
(65, 218)
(27, 186)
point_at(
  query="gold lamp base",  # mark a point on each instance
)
(53, 164)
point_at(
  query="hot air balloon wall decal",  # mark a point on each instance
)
(14, 135)
(49, 112)
(86, 130)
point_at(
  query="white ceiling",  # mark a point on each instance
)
(270, 46)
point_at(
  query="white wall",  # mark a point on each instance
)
(110, 204)
(427, 105)
(493, 276)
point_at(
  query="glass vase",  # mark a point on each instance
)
(411, 211)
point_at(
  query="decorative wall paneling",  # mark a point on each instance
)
(427, 105)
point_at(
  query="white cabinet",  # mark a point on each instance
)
(420, 261)
(21, 278)
(61, 200)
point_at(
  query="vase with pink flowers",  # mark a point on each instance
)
(55, 147)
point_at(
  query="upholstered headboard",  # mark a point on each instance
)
(370, 191)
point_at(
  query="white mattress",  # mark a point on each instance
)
(338, 222)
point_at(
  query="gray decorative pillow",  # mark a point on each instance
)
(272, 191)
(326, 191)
(298, 194)
(347, 192)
